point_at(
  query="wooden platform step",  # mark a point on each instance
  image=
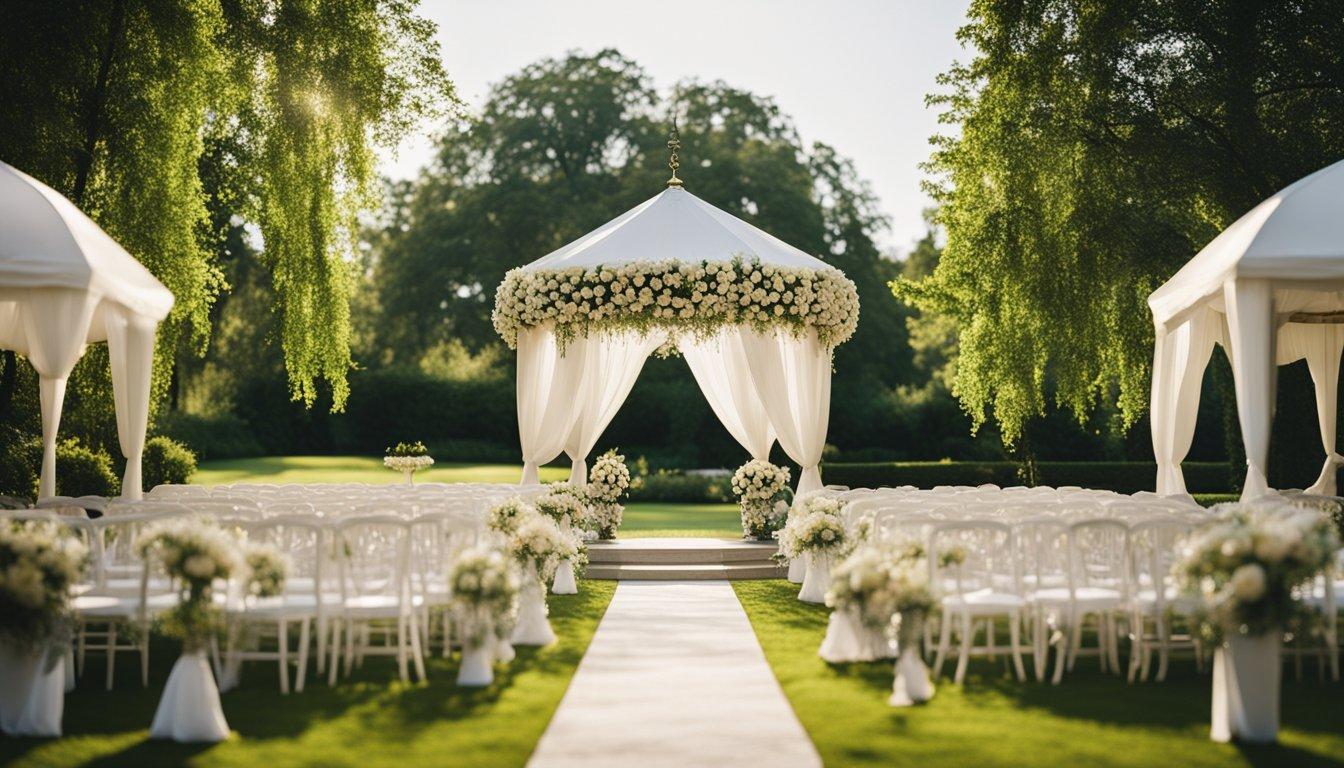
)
(672, 559)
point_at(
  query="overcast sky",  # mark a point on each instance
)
(851, 73)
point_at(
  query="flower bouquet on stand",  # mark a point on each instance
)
(762, 491)
(608, 481)
(484, 602)
(568, 507)
(815, 533)
(194, 553)
(38, 567)
(1244, 569)
(539, 545)
(878, 587)
(408, 458)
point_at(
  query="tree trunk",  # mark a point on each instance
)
(116, 29)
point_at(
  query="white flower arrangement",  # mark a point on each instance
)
(484, 594)
(38, 567)
(565, 504)
(506, 516)
(194, 553)
(698, 297)
(267, 570)
(1245, 566)
(878, 581)
(408, 457)
(815, 528)
(762, 491)
(539, 540)
(608, 481)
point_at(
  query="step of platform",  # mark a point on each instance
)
(729, 572)
(682, 559)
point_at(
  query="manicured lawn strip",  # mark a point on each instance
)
(353, 469)
(1091, 719)
(368, 721)
(648, 519)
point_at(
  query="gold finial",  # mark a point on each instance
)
(674, 144)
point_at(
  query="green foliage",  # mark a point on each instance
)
(80, 470)
(166, 461)
(210, 437)
(1124, 477)
(173, 124)
(1098, 147)
(416, 448)
(18, 472)
(674, 486)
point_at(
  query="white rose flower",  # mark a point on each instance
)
(1249, 582)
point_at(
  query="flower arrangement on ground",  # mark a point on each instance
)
(539, 545)
(1244, 569)
(267, 569)
(566, 504)
(696, 297)
(884, 585)
(506, 516)
(762, 491)
(38, 567)
(408, 458)
(608, 481)
(816, 533)
(484, 602)
(194, 553)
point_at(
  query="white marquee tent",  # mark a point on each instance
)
(64, 284)
(764, 385)
(1270, 289)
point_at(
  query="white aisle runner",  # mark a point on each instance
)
(674, 677)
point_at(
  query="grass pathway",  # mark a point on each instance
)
(369, 721)
(1091, 719)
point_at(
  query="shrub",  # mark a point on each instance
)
(1120, 476)
(82, 471)
(672, 486)
(210, 437)
(167, 461)
(18, 472)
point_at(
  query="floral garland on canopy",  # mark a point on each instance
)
(696, 297)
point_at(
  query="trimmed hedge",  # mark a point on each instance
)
(210, 437)
(1120, 476)
(673, 486)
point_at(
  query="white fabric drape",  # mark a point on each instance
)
(792, 375)
(1179, 360)
(55, 326)
(719, 364)
(1320, 344)
(548, 388)
(1252, 334)
(130, 350)
(612, 363)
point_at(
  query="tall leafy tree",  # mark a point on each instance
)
(1100, 145)
(126, 106)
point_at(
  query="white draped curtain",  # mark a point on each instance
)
(50, 327)
(1179, 361)
(762, 387)
(612, 362)
(1320, 344)
(720, 367)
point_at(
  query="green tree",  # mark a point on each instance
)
(174, 122)
(1099, 146)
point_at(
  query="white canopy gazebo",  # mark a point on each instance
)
(1270, 289)
(755, 318)
(64, 284)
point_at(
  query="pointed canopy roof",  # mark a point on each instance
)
(674, 226)
(1295, 236)
(46, 242)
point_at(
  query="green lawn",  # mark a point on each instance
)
(366, 722)
(1091, 719)
(641, 519)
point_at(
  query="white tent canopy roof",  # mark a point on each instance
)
(46, 242)
(1296, 236)
(674, 226)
